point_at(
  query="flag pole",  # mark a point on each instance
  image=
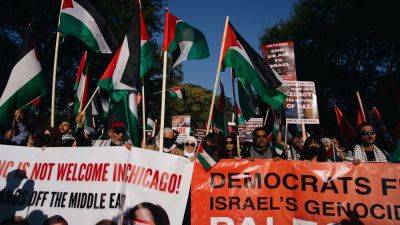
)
(91, 98)
(217, 76)
(360, 103)
(164, 85)
(53, 86)
(235, 113)
(144, 142)
(266, 116)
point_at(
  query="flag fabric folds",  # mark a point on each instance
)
(249, 66)
(146, 49)
(347, 132)
(246, 100)
(219, 117)
(80, 19)
(123, 72)
(183, 41)
(207, 157)
(26, 82)
(360, 114)
(177, 92)
(126, 111)
(81, 87)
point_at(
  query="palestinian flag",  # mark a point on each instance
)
(146, 49)
(123, 72)
(250, 67)
(360, 115)
(240, 118)
(33, 106)
(207, 157)
(80, 19)
(25, 84)
(81, 87)
(126, 111)
(150, 124)
(247, 100)
(219, 117)
(177, 92)
(349, 135)
(183, 41)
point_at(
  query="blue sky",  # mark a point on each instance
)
(249, 18)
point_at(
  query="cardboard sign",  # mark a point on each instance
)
(182, 125)
(280, 57)
(301, 103)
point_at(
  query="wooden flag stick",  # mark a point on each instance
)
(217, 76)
(143, 115)
(360, 103)
(164, 85)
(53, 86)
(236, 117)
(90, 99)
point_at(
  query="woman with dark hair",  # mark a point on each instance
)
(55, 220)
(228, 151)
(146, 213)
(314, 151)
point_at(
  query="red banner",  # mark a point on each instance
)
(265, 192)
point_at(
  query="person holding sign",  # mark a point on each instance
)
(367, 151)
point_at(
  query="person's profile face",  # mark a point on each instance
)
(144, 216)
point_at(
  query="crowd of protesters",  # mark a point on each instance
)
(318, 148)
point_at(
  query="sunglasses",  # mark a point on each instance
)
(190, 144)
(229, 142)
(368, 133)
(260, 136)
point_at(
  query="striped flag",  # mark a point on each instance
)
(146, 49)
(249, 66)
(81, 87)
(80, 19)
(26, 82)
(123, 72)
(206, 157)
(183, 41)
(177, 92)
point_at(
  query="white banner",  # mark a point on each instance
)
(87, 185)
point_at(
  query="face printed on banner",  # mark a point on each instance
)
(143, 217)
(368, 135)
(260, 138)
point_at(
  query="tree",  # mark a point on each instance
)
(43, 17)
(344, 46)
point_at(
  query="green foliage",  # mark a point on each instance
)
(344, 46)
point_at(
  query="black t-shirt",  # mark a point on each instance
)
(370, 155)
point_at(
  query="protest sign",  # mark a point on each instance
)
(301, 103)
(200, 134)
(182, 125)
(83, 189)
(251, 125)
(280, 57)
(265, 192)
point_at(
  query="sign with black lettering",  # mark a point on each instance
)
(267, 192)
(301, 103)
(280, 57)
(89, 185)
